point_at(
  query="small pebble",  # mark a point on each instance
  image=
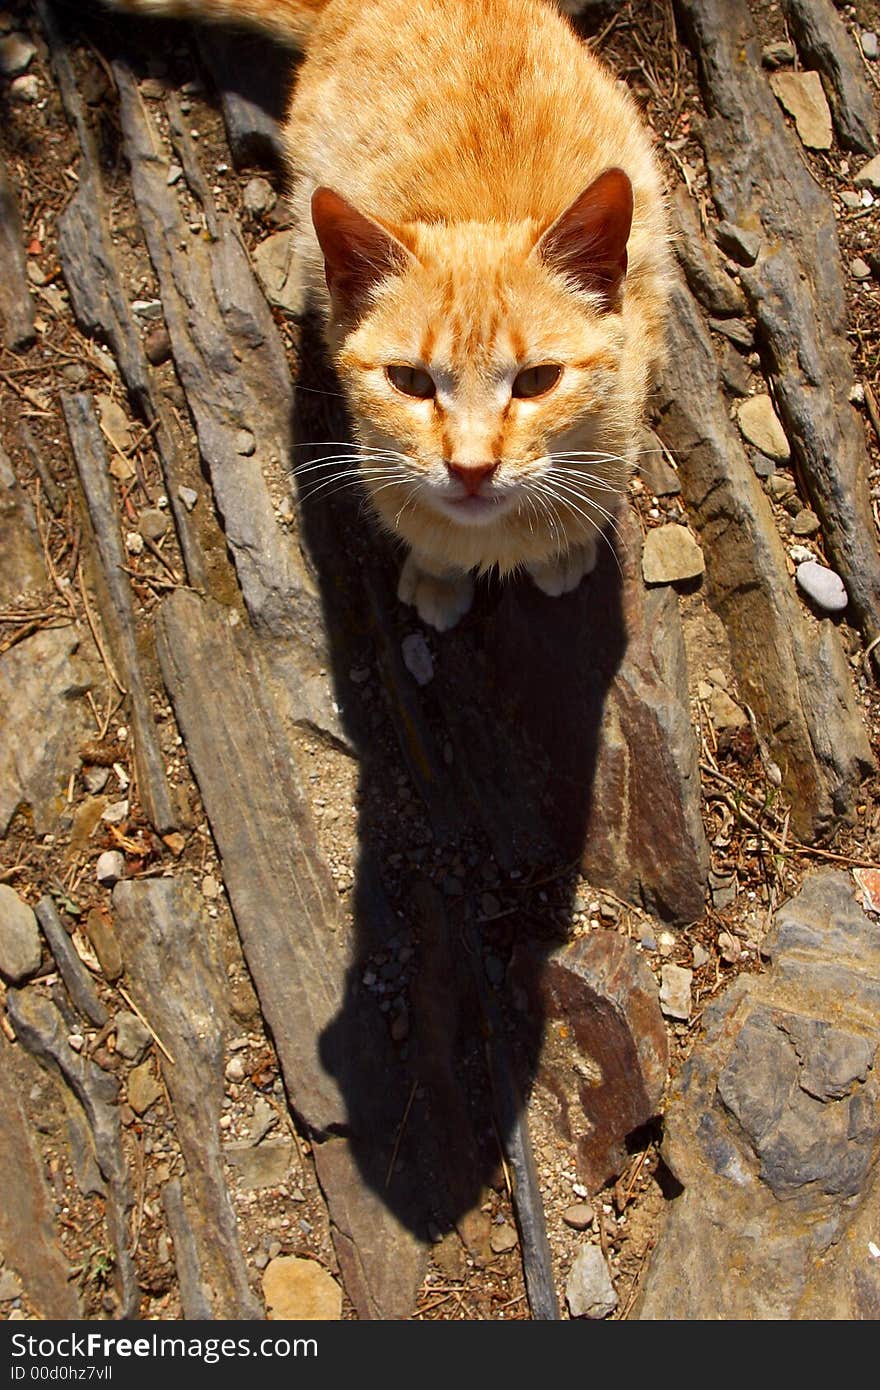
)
(589, 1291)
(188, 496)
(417, 658)
(25, 89)
(95, 778)
(134, 543)
(110, 867)
(870, 46)
(823, 586)
(869, 174)
(153, 523)
(700, 955)
(503, 1238)
(675, 991)
(729, 947)
(806, 523)
(245, 443)
(259, 197)
(235, 1069)
(859, 269)
(157, 345)
(579, 1216)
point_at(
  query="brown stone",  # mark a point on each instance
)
(301, 1290)
(603, 1063)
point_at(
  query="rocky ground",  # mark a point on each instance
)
(349, 970)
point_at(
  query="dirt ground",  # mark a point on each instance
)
(746, 820)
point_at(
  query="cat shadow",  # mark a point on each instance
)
(475, 792)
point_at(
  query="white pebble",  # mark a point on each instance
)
(823, 586)
(417, 658)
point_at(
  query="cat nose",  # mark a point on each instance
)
(472, 475)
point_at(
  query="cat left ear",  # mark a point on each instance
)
(358, 252)
(587, 242)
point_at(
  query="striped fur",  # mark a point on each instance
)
(458, 132)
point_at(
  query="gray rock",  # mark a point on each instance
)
(760, 425)
(153, 523)
(261, 1165)
(773, 1131)
(259, 196)
(110, 867)
(275, 265)
(781, 487)
(417, 658)
(859, 269)
(709, 281)
(764, 467)
(870, 46)
(675, 991)
(659, 477)
(822, 585)
(188, 496)
(778, 55)
(589, 1291)
(671, 554)
(850, 199)
(803, 97)
(503, 1238)
(144, 1089)
(825, 43)
(737, 331)
(742, 243)
(735, 373)
(95, 779)
(16, 52)
(132, 1036)
(20, 952)
(869, 174)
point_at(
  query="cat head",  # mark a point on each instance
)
(486, 368)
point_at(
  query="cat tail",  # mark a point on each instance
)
(288, 21)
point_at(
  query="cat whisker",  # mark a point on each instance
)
(563, 501)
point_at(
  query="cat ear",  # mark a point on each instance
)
(358, 252)
(587, 242)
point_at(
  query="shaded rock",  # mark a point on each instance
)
(16, 301)
(671, 554)
(253, 80)
(741, 243)
(724, 712)
(760, 425)
(16, 52)
(25, 90)
(773, 1131)
(735, 373)
(607, 1077)
(778, 55)
(417, 658)
(10, 1286)
(589, 1291)
(824, 43)
(870, 44)
(258, 196)
(675, 991)
(41, 682)
(301, 1290)
(659, 477)
(20, 952)
(822, 585)
(157, 345)
(737, 331)
(144, 1089)
(153, 523)
(803, 97)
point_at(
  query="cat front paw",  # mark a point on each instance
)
(439, 600)
(564, 572)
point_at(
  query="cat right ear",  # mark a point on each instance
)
(587, 242)
(358, 252)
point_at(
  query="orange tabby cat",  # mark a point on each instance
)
(480, 220)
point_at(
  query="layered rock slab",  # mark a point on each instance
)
(774, 1131)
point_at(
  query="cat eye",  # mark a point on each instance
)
(536, 381)
(412, 381)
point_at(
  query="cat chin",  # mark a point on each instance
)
(472, 512)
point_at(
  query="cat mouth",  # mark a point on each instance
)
(474, 508)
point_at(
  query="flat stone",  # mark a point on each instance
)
(859, 269)
(671, 554)
(188, 496)
(600, 993)
(300, 1290)
(850, 199)
(737, 331)
(735, 373)
(869, 174)
(41, 682)
(589, 1291)
(259, 1165)
(659, 477)
(780, 487)
(274, 263)
(20, 951)
(803, 97)
(772, 1130)
(16, 52)
(503, 1238)
(10, 1286)
(724, 712)
(760, 426)
(741, 243)
(132, 1036)
(153, 523)
(144, 1089)
(822, 585)
(99, 930)
(675, 991)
